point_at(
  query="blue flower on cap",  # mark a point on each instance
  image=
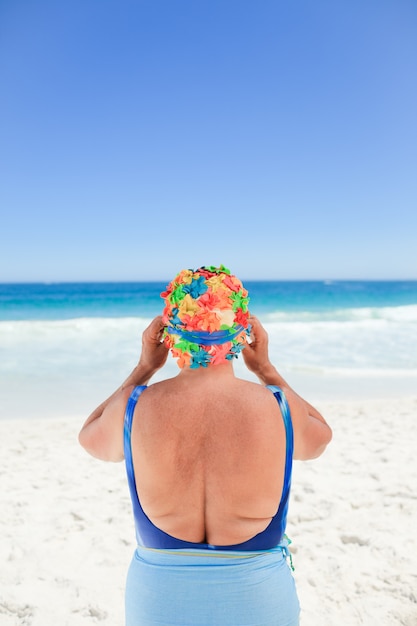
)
(201, 357)
(196, 288)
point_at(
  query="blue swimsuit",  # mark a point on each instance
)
(148, 535)
(172, 582)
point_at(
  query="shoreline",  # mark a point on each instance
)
(66, 399)
(67, 533)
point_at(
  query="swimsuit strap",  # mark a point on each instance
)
(127, 444)
(289, 432)
(274, 533)
(289, 452)
(147, 534)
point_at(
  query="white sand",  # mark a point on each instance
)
(67, 532)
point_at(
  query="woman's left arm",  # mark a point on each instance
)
(102, 433)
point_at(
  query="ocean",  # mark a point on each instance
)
(64, 347)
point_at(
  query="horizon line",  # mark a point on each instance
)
(162, 280)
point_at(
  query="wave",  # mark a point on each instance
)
(359, 339)
(68, 366)
(354, 372)
(406, 314)
(79, 326)
(402, 314)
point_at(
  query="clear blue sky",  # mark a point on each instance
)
(141, 137)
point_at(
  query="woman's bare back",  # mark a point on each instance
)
(209, 458)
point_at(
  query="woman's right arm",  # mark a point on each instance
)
(102, 432)
(311, 431)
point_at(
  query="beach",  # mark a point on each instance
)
(67, 532)
(66, 525)
(142, 139)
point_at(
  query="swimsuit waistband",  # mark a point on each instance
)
(212, 555)
(225, 554)
(197, 556)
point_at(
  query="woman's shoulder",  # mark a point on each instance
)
(255, 389)
(240, 387)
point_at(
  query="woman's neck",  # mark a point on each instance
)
(212, 372)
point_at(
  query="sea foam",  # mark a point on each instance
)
(67, 366)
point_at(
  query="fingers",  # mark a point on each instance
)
(255, 323)
(154, 331)
(157, 323)
(158, 326)
(258, 332)
(154, 351)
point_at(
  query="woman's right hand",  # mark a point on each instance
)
(102, 433)
(154, 351)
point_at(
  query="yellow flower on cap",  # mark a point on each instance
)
(188, 306)
(215, 282)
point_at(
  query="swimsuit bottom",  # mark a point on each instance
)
(200, 588)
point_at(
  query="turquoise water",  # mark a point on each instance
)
(59, 301)
(64, 347)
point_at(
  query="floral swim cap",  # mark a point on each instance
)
(205, 316)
